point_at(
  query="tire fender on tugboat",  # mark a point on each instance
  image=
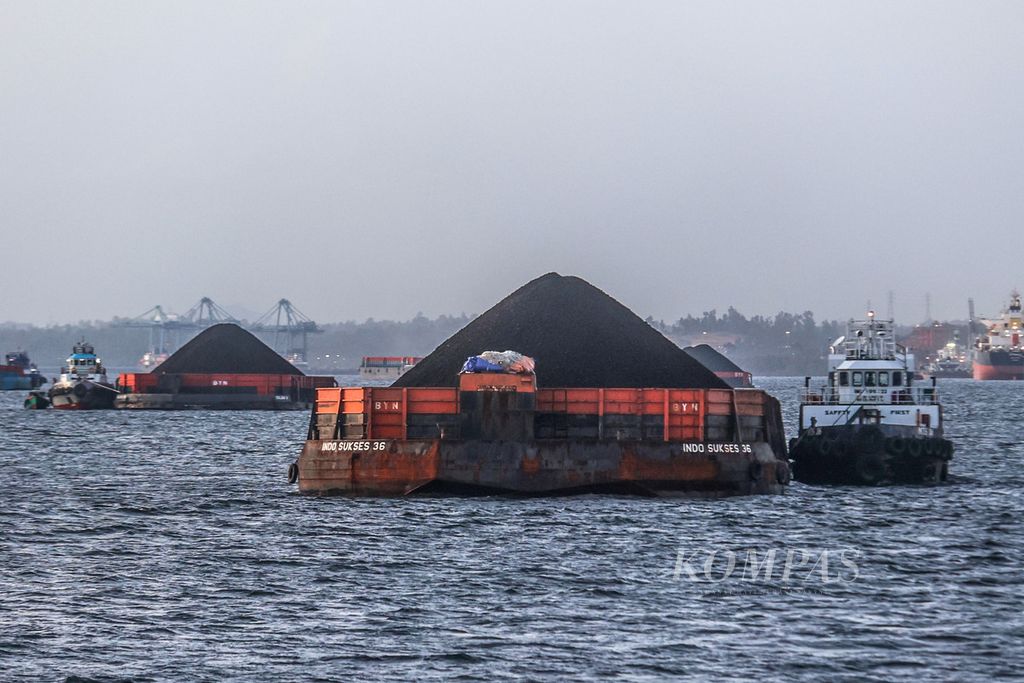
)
(871, 468)
(895, 445)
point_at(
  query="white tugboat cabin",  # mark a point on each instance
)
(872, 383)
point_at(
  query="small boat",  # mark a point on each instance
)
(869, 424)
(37, 400)
(83, 382)
(18, 372)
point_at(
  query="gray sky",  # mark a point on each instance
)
(383, 158)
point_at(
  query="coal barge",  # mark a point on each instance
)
(223, 368)
(594, 425)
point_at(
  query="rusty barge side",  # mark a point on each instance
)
(498, 433)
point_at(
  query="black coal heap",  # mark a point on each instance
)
(226, 348)
(579, 336)
(712, 359)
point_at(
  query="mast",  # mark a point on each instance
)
(970, 330)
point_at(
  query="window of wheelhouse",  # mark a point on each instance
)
(858, 378)
(869, 378)
(883, 379)
(844, 378)
(897, 379)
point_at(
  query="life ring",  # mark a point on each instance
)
(293, 473)
(895, 445)
(871, 468)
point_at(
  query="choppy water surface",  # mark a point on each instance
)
(168, 546)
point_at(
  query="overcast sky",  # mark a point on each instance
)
(383, 158)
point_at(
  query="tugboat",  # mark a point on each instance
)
(1000, 353)
(869, 425)
(83, 382)
(950, 362)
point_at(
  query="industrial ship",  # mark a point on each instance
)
(869, 425)
(999, 354)
(83, 382)
(18, 372)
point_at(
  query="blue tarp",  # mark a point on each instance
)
(478, 364)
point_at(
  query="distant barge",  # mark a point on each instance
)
(386, 367)
(223, 368)
(499, 433)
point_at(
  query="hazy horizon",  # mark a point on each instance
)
(383, 159)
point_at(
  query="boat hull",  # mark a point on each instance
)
(207, 402)
(405, 467)
(13, 379)
(83, 395)
(996, 365)
(870, 456)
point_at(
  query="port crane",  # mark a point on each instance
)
(291, 329)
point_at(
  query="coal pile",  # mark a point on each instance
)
(226, 348)
(712, 359)
(579, 336)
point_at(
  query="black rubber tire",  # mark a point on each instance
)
(825, 447)
(839, 449)
(947, 450)
(755, 471)
(915, 447)
(895, 445)
(871, 468)
(870, 440)
(80, 390)
(792, 443)
(782, 473)
(293, 473)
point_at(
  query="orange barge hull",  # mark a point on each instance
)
(399, 468)
(500, 434)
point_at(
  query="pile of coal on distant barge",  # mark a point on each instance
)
(614, 407)
(223, 368)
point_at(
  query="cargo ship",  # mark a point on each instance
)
(999, 353)
(386, 367)
(500, 433)
(83, 382)
(18, 372)
(868, 424)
